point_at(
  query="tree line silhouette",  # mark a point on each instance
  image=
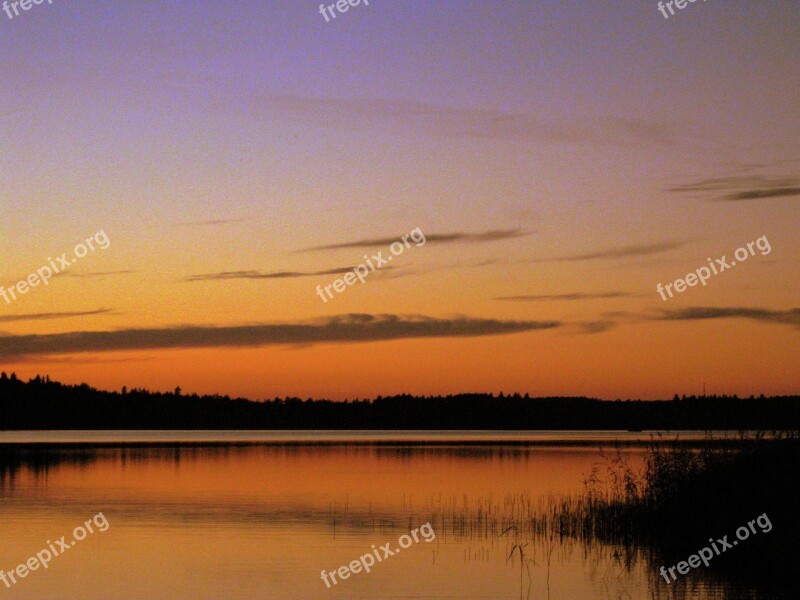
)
(41, 403)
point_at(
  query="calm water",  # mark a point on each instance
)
(262, 520)
(347, 437)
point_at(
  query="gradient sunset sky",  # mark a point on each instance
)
(561, 159)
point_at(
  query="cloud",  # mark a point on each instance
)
(620, 252)
(262, 275)
(210, 222)
(399, 115)
(593, 327)
(695, 313)
(735, 189)
(772, 192)
(342, 329)
(568, 297)
(631, 251)
(492, 235)
(90, 275)
(55, 315)
(610, 320)
(86, 359)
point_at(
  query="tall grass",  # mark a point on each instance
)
(685, 496)
(660, 512)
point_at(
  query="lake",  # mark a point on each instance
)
(224, 515)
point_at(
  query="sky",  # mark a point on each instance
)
(555, 162)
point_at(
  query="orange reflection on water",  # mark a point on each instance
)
(263, 522)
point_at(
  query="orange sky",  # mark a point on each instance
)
(559, 163)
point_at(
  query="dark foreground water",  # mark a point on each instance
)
(262, 519)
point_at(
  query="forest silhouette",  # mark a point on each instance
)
(41, 403)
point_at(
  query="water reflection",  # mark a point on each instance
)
(266, 519)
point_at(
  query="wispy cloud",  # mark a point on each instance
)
(610, 320)
(210, 222)
(695, 313)
(734, 189)
(594, 327)
(621, 252)
(342, 329)
(86, 359)
(91, 275)
(475, 123)
(492, 235)
(51, 316)
(225, 275)
(566, 297)
(773, 192)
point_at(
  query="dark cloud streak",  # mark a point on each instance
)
(50, 316)
(696, 313)
(567, 297)
(493, 235)
(90, 275)
(775, 192)
(620, 252)
(225, 275)
(736, 189)
(341, 329)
